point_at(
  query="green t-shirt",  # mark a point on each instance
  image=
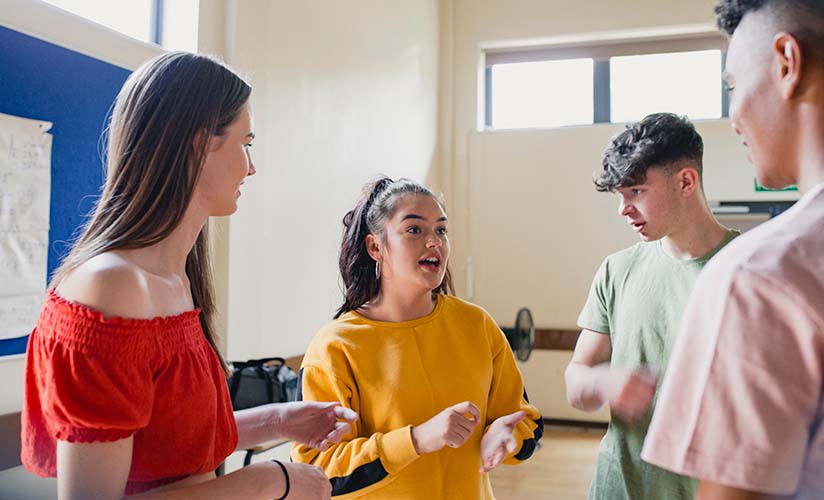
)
(637, 298)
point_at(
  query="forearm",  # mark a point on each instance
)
(258, 481)
(586, 385)
(393, 451)
(260, 424)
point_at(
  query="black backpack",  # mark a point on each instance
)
(261, 381)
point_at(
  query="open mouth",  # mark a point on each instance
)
(430, 263)
(638, 226)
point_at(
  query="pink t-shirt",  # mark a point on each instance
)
(741, 403)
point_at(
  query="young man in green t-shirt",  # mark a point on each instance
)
(631, 316)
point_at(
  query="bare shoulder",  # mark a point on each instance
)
(108, 283)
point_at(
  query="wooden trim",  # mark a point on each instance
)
(575, 423)
(556, 340)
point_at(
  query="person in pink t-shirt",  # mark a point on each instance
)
(741, 403)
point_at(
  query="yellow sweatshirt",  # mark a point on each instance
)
(397, 375)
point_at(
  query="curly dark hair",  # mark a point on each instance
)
(803, 18)
(660, 140)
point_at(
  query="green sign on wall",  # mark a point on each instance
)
(760, 188)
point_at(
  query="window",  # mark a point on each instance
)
(170, 23)
(178, 24)
(133, 18)
(617, 82)
(532, 94)
(687, 83)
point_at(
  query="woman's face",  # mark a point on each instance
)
(227, 164)
(415, 248)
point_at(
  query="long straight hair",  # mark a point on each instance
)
(155, 152)
(377, 204)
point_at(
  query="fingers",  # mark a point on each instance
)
(457, 435)
(494, 460)
(513, 419)
(511, 445)
(335, 435)
(467, 407)
(464, 423)
(343, 413)
(340, 430)
(496, 456)
(463, 418)
(633, 404)
(633, 396)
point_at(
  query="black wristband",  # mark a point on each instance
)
(286, 477)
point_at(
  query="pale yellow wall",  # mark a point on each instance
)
(342, 91)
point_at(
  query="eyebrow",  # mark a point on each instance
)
(420, 217)
(250, 135)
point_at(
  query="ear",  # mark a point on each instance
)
(373, 247)
(687, 179)
(787, 54)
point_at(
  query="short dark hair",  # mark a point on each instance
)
(803, 18)
(660, 140)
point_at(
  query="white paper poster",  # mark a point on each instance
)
(25, 191)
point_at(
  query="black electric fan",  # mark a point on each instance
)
(521, 337)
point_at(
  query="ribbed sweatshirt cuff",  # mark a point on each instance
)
(397, 450)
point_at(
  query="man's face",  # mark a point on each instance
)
(653, 209)
(757, 109)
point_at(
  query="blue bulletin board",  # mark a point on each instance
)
(43, 81)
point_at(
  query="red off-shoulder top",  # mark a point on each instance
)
(91, 379)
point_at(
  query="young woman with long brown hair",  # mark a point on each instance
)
(125, 385)
(440, 398)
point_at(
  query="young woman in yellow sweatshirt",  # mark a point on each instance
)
(440, 398)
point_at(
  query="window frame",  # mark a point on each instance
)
(600, 52)
(157, 23)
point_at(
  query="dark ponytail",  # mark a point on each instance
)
(376, 205)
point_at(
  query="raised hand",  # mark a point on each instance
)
(318, 425)
(499, 441)
(451, 427)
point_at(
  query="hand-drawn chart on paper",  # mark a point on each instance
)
(25, 191)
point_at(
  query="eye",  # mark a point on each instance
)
(413, 229)
(729, 87)
(442, 230)
(247, 145)
(635, 192)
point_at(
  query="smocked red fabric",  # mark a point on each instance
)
(92, 379)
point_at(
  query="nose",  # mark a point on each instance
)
(250, 170)
(735, 128)
(433, 241)
(624, 208)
